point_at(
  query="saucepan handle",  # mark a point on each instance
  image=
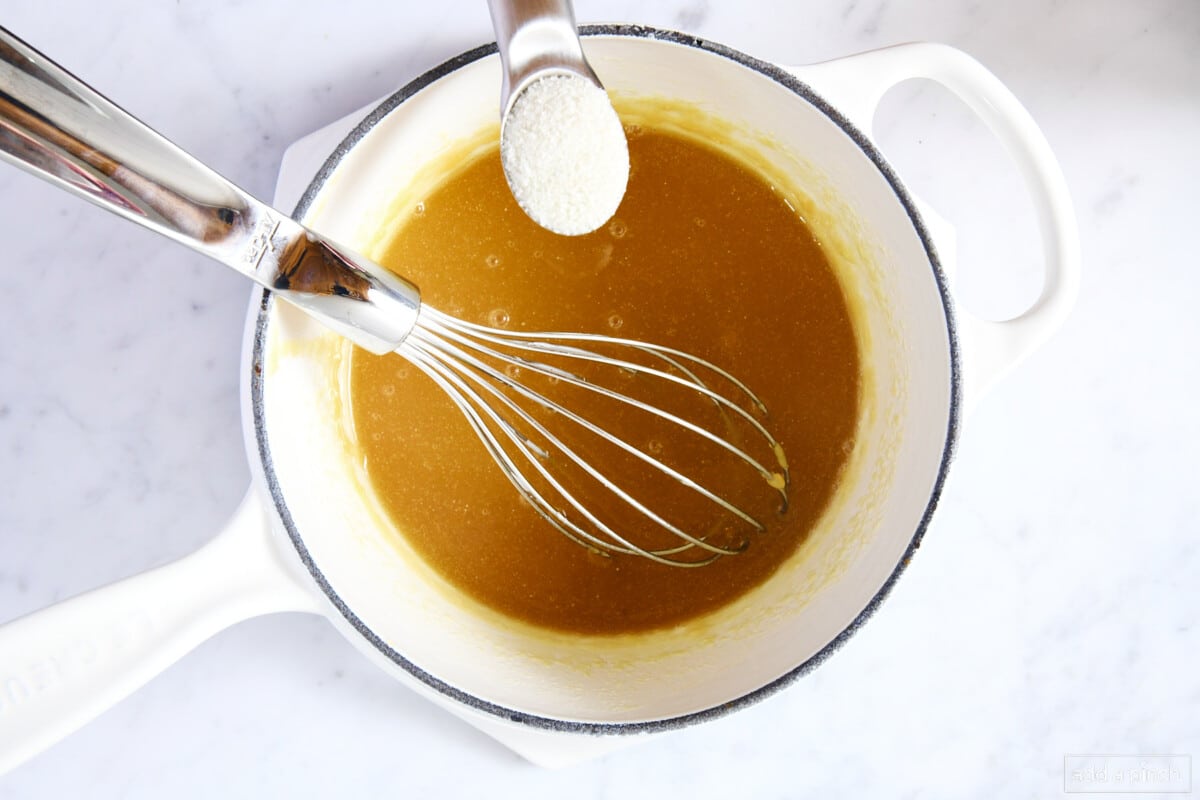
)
(856, 84)
(64, 665)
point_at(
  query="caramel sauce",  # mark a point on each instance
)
(703, 255)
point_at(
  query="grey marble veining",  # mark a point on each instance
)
(1052, 609)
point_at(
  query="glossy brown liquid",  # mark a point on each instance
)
(703, 256)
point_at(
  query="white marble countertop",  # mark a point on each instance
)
(1052, 609)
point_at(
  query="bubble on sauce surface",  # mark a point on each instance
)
(654, 447)
(419, 209)
(498, 318)
(492, 261)
(617, 229)
(387, 389)
(615, 321)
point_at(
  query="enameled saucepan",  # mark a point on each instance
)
(305, 538)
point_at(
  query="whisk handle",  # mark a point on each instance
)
(58, 128)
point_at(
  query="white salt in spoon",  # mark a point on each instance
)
(561, 143)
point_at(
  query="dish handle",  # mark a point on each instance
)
(856, 84)
(64, 665)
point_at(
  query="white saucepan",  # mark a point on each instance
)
(305, 538)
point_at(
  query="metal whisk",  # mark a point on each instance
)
(510, 385)
(534, 438)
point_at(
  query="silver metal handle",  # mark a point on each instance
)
(536, 37)
(58, 128)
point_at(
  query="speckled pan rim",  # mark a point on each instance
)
(788, 81)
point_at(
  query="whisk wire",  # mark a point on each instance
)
(452, 357)
(462, 358)
(540, 340)
(470, 400)
(455, 356)
(453, 329)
